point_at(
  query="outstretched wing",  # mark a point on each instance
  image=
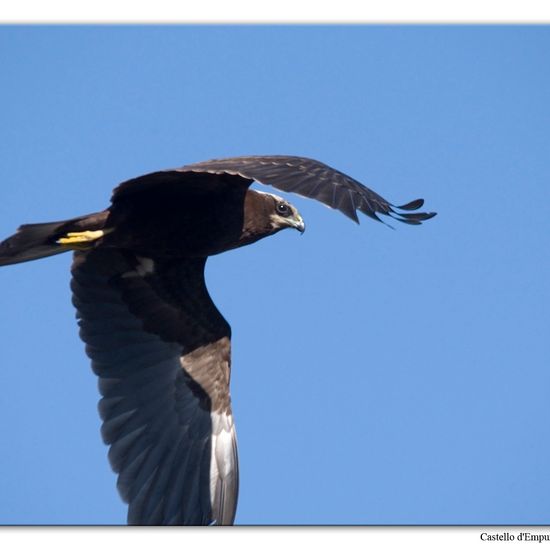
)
(161, 350)
(315, 180)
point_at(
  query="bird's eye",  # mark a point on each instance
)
(283, 209)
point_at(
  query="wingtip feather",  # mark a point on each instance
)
(413, 205)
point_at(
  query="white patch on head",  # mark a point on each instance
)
(146, 266)
(278, 221)
(283, 221)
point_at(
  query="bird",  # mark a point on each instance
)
(157, 342)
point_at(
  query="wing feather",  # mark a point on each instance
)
(161, 351)
(312, 179)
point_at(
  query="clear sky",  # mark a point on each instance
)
(379, 376)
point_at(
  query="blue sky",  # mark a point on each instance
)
(379, 376)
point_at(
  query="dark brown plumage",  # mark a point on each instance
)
(160, 347)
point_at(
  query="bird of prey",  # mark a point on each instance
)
(157, 342)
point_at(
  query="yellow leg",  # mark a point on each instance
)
(81, 238)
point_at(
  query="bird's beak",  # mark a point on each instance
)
(298, 223)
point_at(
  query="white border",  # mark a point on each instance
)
(285, 11)
(281, 11)
(242, 538)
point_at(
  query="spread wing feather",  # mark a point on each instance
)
(164, 378)
(313, 179)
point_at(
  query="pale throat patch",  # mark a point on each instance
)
(278, 221)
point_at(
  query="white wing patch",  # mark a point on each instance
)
(223, 461)
(146, 266)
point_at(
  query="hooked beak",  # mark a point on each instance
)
(298, 223)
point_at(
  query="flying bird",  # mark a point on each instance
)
(157, 342)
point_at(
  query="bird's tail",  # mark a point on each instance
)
(39, 240)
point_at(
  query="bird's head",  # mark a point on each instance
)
(266, 214)
(285, 215)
